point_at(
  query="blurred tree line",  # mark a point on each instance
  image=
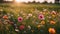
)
(56, 2)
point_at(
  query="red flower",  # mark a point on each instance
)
(20, 19)
(41, 17)
(21, 27)
(5, 17)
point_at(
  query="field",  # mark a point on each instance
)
(29, 18)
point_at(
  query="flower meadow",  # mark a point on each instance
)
(32, 21)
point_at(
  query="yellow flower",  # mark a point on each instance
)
(44, 9)
(32, 30)
(53, 15)
(46, 12)
(7, 28)
(43, 22)
(38, 26)
(41, 12)
(24, 16)
(34, 16)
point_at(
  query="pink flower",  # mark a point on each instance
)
(21, 27)
(41, 17)
(20, 19)
(53, 12)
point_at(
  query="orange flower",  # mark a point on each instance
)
(52, 30)
(52, 22)
(38, 26)
(5, 17)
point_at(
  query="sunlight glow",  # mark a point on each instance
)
(17, 1)
(40, 1)
(8, 0)
(53, 1)
(23, 1)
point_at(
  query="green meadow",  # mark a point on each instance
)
(33, 18)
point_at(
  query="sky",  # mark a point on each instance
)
(32, 0)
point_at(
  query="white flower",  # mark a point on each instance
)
(16, 30)
(30, 15)
(24, 31)
(1, 9)
(36, 22)
(21, 12)
(44, 9)
(27, 17)
(11, 15)
(8, 14)
(29, 27)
